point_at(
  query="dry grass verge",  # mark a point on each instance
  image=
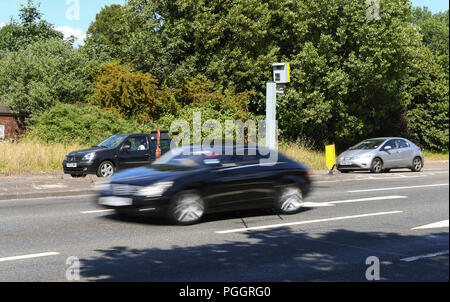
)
(32, 157)
(35, 157)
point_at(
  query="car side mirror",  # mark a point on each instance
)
(126, 147)
(387, 148)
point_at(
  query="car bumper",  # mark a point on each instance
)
(354, 164)
(134, 204)
(82, 167)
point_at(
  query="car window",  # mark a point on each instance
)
(137, 143)
(402, 143)
(391, 143)
(368, 144)
(165, 145)
(112, 141)
(252, 156)
(188, 158)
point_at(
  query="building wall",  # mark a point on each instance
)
(13, 126)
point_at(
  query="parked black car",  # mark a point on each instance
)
(117, 152)
(184, 184)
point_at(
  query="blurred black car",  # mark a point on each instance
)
(117, 152)
(186, 183)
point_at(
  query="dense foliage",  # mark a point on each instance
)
(35, 78)
(131, 94)
(77, 123)
(29, 29)
(352, 76)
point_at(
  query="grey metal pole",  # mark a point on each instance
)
(271, 115)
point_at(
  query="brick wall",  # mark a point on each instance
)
(14, 126)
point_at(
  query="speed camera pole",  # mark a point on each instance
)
(281, 76)
(271, 115)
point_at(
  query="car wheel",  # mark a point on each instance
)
(105, 169)
(377, 165)
(186, 208)
(417, 164)
(289, 199)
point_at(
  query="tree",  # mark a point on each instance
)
(45, 73)
(352, 77)
(435, 31)
(105, 35)
(19, 34)
(30, 13)
(131, 94)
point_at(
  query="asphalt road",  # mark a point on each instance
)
(350, 223)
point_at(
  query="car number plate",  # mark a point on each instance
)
(71, 165)
(115, 201)
(345, 163)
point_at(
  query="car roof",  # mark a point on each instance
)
(386, 138)
(226, 147)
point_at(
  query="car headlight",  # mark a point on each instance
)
(155, 190)
(361, 156)
(89, 156)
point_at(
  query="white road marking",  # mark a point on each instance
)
(396, 188)
(316, 204)
(414, 258)
(369, 199)
(96, 211)
(306, 222)
(439, 224)
(28, 256)
(332, 203)
(382, 177)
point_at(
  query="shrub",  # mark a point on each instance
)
(43, 74)
(83, 124)
(131, 94)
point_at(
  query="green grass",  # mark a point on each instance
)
(432, 155)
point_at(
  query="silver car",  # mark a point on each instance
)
(380, 155)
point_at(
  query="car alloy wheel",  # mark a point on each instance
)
(377, 166)
(187, 208)
(290, 200)
(106, 169)
(417, 164)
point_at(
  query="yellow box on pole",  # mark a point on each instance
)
(330, 153)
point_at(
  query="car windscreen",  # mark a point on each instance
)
(368, 144)
(181, 157)
(112, 141)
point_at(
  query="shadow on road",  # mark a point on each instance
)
(154, 220)
(275, 255)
